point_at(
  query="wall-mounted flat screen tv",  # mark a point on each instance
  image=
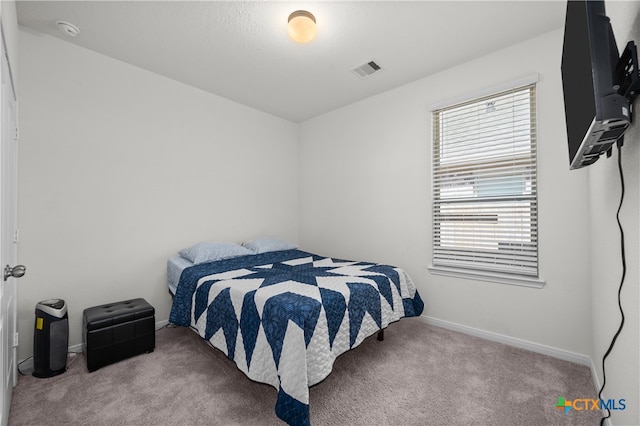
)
(596, 114)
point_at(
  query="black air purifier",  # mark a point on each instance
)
(50, 338)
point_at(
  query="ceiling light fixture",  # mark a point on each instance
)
(302, 26)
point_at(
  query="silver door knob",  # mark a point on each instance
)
(16, 272)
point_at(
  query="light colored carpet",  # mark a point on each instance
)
(419, 375)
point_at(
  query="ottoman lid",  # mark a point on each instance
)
(110, 314)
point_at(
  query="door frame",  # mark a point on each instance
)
(8, 243)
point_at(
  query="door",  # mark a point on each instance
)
(8, 233)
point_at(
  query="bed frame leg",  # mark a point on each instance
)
(380, 335)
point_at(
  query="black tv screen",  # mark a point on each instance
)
(596, 115)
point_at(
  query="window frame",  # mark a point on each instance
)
(472, 273)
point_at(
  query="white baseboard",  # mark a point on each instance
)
(161, 324)
(513, 341)
(597, 384)
(26, 366)
(594, 375)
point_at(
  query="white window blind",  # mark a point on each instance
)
(485, 214)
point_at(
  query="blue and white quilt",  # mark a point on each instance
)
(283, 317)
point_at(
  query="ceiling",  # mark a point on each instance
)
(240, 50)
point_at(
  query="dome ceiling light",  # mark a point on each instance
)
(302, 26)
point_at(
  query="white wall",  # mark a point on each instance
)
(365, 194)
(623, 364)
(120, 168)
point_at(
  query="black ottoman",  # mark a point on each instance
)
(117, 331)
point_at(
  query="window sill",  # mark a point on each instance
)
(493, 277)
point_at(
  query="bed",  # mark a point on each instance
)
(284, 316)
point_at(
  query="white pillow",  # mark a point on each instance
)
(263, 245)
(208, 252)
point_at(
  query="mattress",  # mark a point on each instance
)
(175, 266)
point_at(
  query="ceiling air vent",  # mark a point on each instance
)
(364, 71)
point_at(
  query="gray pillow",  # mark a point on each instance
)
(208, 252)
(263, 245)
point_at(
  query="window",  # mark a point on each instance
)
(485, 215)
